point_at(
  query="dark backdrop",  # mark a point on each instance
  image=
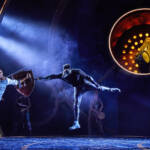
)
(88, 23)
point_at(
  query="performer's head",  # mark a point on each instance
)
(1, 74)
(66, 68)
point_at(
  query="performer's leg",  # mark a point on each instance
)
(77, 102)
(29, 128)
(92, 85)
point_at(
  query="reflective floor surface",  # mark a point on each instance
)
(74, 143)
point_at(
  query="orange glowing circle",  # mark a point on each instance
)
(124, 58)
(140, 35)
(141, 41)
(128, 21)
(133, 61)
(132, 47)
(134, 37)
(124, 52)
(129, 41)
(130, 68)
(131, 57)
(135, 71)
(126, 46)
(136, 65)
(135, 43)
(146, 34)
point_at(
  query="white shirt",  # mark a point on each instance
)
(4, 83)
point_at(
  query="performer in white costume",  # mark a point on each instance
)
(5, 81)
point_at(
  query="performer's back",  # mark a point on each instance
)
(75, 77)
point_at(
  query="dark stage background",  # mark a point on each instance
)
(42, 35)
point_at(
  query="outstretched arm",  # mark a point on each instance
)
(50, 77)
(13, 82)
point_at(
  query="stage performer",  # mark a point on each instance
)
(23, 119)
(81, 83)
(5, 81)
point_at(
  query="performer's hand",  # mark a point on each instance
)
(38, 78)
(99, 87)
(115, 90)
(28, 76)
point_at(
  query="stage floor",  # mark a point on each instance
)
(74, 143)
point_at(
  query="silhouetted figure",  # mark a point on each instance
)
(23, 124)
(96, 116)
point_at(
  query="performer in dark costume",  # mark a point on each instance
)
(81, 83)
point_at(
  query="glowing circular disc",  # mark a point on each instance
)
(129, 40)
